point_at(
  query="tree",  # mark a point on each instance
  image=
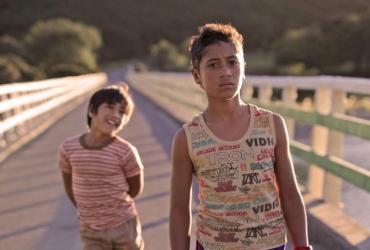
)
(61, 44)
(14, 69)
(339, 46)
(166, 56)
(10, 45)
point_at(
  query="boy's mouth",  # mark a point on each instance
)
(226, 84)
(111, 122)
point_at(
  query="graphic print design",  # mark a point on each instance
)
(239, 204)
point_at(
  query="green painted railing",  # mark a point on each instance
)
(347, 171)
(339, 122)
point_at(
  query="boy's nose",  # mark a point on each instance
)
(225, 70)
(116, 114)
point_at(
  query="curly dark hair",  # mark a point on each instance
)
(211, 33)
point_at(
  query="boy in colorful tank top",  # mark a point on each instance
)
(239, 155)
(103, 173)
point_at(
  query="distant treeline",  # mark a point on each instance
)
(51, 48)
(282, 37)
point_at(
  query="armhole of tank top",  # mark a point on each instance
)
(252, 110)
(272, 126)
(188, 141)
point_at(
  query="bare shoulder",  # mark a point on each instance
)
(179, 142)
(180, 152)
(180, 135)
(279, 121)
(280, 129)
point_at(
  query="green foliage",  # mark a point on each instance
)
(303, 45)
(184, 47)
(338, 46)
(260, 62)
(64, 69)
(353, 39)
(166, 56)
(10, 45)
(140, 67)
(8, 72)
(14, 69)
(66, 54)
(130, 27)
(297, 69)
(59, 47)
(60, 41)
(63, 30)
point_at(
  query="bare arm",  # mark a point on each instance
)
(291, 199)
(180, 212)
(136, 184)
(67, 181)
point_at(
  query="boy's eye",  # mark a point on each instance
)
(233, 62)
(213, 65)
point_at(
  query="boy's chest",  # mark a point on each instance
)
(90, 162)
(231, 131)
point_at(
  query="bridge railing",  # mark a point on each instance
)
(179, 96)
(27, 109)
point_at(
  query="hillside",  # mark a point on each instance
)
(129, 27)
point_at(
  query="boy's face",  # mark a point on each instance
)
(108, 119)
(221, 71)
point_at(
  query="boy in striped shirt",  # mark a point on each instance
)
(103, 173)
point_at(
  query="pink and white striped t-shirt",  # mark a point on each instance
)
(99, 180)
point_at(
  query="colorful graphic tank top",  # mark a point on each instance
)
(239, 205)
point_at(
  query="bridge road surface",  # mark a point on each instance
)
(35, 213)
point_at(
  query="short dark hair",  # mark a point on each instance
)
(117, 93)
(211, 33)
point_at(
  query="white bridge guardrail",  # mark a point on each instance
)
(27, 109)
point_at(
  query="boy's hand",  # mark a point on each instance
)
(67, 180)
(136, 184)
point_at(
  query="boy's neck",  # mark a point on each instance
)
(226, 111)
(97, 139)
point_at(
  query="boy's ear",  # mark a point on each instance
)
(196, 76)
(90, 113)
